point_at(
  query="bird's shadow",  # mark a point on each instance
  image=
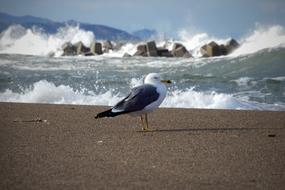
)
(206, 129)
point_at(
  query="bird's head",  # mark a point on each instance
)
(154, 78)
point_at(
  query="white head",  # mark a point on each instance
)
(154, 78)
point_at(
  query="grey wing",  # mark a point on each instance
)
(139, 98)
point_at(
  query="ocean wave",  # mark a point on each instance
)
(243, 81)
(47, 92)
(33, 41)
(282, 78)
(263, 37)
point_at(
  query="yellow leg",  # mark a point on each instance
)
(146, 121)
(142, 123)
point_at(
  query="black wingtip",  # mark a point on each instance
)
(107, 113)
(103, 114)
(99, 115)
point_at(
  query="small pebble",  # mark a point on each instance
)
(99, 142)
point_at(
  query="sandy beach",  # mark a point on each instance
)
(64, 147)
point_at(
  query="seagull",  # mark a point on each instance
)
(141, 100)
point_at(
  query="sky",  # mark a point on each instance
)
(216, 17)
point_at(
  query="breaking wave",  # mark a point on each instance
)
(47, 92)
(33, 41)
(262, 38)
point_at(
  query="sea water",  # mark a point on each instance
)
(251, 78)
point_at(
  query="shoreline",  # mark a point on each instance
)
(170, 108)
(51, 146)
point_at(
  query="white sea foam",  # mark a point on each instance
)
(136, 82)
(260, 38)
(129, 48)
(33, 41)
(263, 37)
(243, 81)
(47, 92)
(210, 100)
(276, 78)
(196, 41)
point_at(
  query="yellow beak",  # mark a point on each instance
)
(166, 81)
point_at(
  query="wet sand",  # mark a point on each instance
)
(64, 147)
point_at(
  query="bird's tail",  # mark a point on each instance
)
(107, 113)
